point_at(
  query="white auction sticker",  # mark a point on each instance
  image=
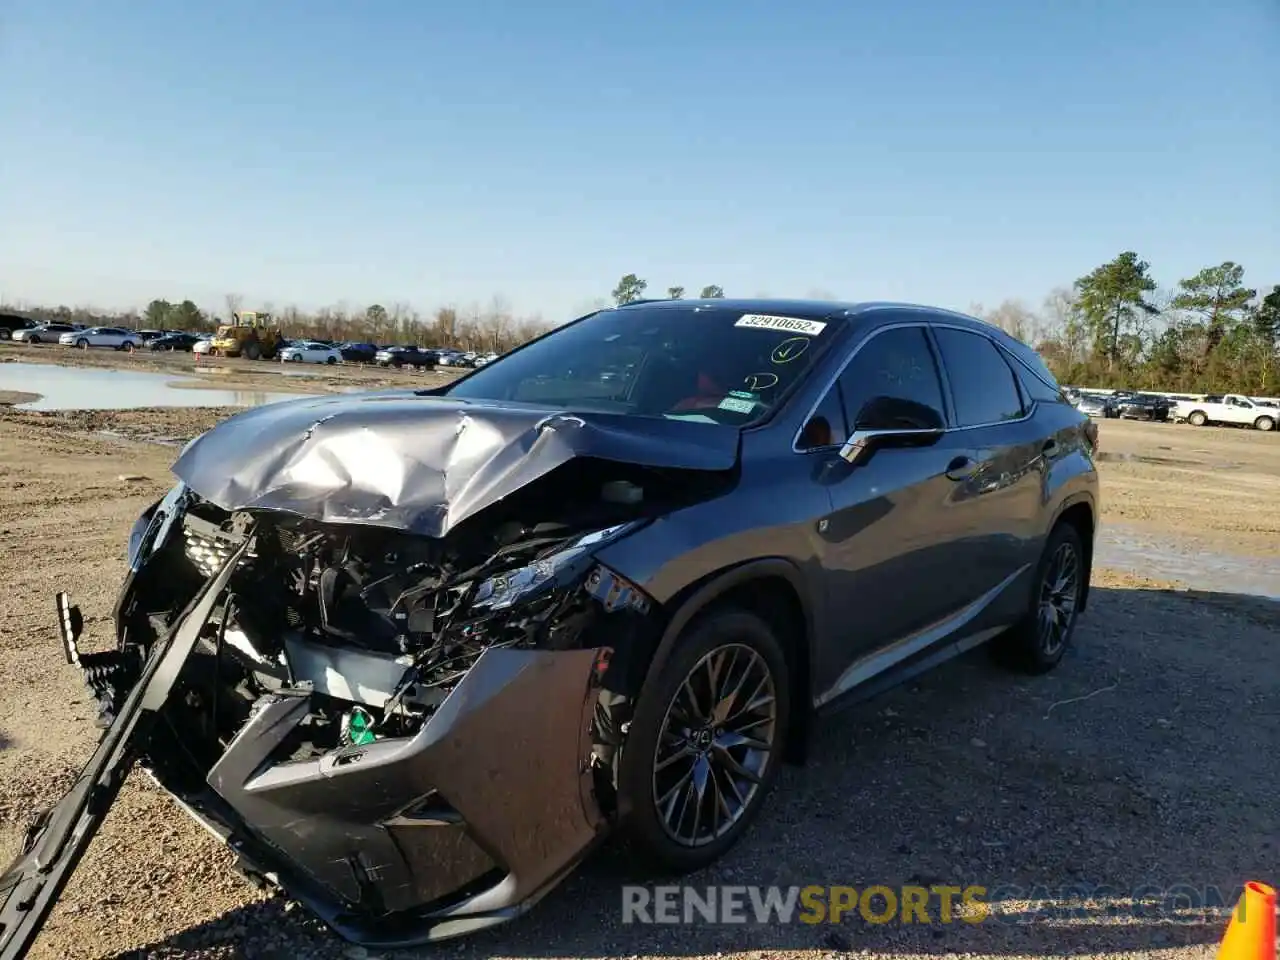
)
(762, 321)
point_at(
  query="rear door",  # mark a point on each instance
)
(994, 512)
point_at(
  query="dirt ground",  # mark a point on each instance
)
(1146, 760)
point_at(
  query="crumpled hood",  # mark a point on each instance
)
(420, 463)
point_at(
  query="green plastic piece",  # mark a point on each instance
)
(360, 728)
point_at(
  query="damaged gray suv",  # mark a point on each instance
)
(413, 654)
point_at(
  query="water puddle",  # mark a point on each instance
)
(81, 388)
(1164, 558)
(1111, 456)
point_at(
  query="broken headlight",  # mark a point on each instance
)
(505, 590)
(152, 528)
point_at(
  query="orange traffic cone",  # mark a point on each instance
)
(1251, 934)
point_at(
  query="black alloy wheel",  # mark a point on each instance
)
(1037, 643)
(705, 744)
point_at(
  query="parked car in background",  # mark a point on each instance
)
(1142, 406)
(358, 352)
(43, 333)
(203, 344)
(309, 351)
(173, 342)
(1095, 405)
(452, 358)
(1228, 409)
(148, 335)
(12, 322)
(117, 338)
(405, 356)
(414, 654)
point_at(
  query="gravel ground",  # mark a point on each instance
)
(1146, 760)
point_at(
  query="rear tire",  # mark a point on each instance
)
(330, 360)
(1264, 423)
(1036, 644)
(691, 726)
(1197, 419)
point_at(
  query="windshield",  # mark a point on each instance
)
(710, 364)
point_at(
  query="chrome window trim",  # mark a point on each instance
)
(831, 381)
(925, 321)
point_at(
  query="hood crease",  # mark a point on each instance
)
(417, 463)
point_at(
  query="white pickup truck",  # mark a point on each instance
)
(1230, 408)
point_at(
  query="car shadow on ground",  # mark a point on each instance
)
(1144, 767)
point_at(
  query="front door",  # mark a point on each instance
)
(889, 544)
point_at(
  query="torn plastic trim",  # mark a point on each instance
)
(422, 464)
(34, 880)
(151, 529)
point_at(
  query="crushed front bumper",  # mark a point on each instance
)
(401, 841)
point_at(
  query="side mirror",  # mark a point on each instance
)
(862, 442)
(891, 420)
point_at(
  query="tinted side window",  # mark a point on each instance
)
(982, 384)
(892, 382)
(1035, 388)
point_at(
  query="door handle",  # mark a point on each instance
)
(961, 468)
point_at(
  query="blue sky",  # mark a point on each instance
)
(929, 150)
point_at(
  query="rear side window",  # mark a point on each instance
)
(982, 383)
(892, 382)
(1035, 388)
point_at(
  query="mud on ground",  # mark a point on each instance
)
(1128, 765)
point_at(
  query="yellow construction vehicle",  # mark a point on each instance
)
(250, 334)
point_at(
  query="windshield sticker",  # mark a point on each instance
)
(737, 405)
(762, 321)
(789, 349)
(758, 381)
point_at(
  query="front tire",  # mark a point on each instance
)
(33, 340)
(1036, 644)
(706, 742)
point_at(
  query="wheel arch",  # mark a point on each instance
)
(1080, 513)
(774, 589)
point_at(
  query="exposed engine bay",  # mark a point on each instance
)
(379, 626)
(367, 642)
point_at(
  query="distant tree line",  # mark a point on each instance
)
(1114, 326)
